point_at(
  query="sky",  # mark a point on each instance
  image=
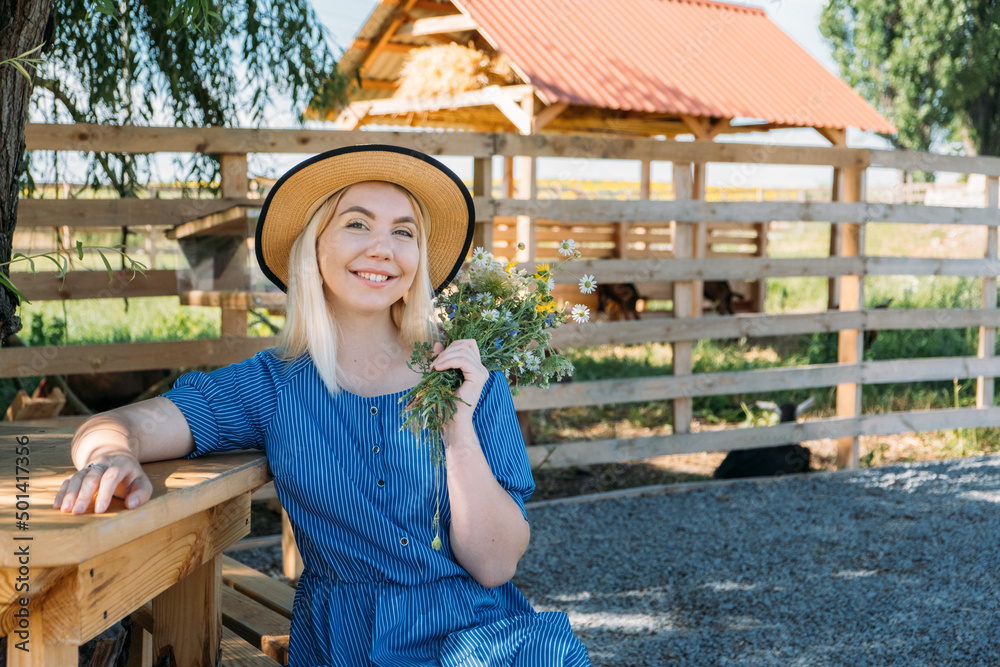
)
(797, 18)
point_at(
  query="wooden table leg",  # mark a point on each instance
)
(38, 653)
(187, 619)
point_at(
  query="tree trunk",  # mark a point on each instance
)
(22, 26)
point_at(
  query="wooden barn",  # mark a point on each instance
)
(632, 68)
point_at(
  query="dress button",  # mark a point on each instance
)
(404, 541)
(373, 410)
(376, 449)
(381, 482)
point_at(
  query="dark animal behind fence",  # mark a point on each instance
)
(769, 461)
(619, 301)
(721, 293)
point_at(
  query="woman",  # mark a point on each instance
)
(361, 237)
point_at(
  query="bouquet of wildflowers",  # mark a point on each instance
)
(509, 313)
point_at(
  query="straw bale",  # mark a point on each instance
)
(448, 69)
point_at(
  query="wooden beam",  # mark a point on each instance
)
(988, 335)
(520, 115)
(388, 47)
(95, 285)
(667, 387)
(700, 127)
(400, 14)
(489, 96)
(547, 115)
(65, 360)
(754, 325)
(835, 136)
(596, 211)
(850, 342)
(232, 221)
(438, 25)
(379, 84)
(97, 213)
(718, 127)
(434, 6)
(352, 116)
(633, 449)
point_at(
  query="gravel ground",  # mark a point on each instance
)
(896, 565)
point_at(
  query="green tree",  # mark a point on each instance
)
(930, 66)
(199, 62)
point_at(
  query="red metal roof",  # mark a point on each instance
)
(694, 57)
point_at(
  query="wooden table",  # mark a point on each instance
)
(86, 572)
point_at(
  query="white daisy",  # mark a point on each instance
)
(566, 247)
(491, 315)
(481, 257)
(580, 313)
(587, 284)
(533, 362)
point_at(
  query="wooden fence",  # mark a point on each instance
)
(689, 220)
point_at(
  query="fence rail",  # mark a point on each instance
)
(679, 243)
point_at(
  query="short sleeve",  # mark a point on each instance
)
(499, 435)
(229, 408)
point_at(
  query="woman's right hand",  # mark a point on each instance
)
(117, 475)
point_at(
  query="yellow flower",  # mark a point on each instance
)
(510, 266)
(542, 271)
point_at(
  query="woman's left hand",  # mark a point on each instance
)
(463, 355)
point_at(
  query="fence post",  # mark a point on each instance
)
(482, 186)
(988, 335)
(684, 302)
(234, 184)
(849, 342)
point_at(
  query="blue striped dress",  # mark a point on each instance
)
(360, 494)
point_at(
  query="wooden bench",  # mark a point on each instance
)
(256, 620)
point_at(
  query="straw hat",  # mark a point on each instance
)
(298, 194)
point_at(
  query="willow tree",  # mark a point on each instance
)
(930, 66)
(183, 62)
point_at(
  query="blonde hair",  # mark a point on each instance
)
(310, 320)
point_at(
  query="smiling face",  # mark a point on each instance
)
(369, 253)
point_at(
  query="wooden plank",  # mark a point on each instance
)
(95, 285)
(68, 540)
(438, 25)
(593, 211)
(99, 213)
(133, 139)
(252, 621)
(916, 161)
(632, 148)
(667, 387)
(269, 592)
(207, 140)
(634, 449)
(741, 267)
(234, 300)
(230, 221)
(756, 325)
(237, 653)
(64, 360)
